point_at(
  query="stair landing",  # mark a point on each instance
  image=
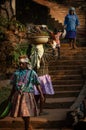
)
(66, 92)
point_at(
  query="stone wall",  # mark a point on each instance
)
(31, 12)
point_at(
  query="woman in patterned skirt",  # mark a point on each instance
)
(22, 94)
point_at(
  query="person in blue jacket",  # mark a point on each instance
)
(71, 23)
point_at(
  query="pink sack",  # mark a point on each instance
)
(46, 85)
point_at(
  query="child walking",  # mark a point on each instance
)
(56, 42)
(22, 94)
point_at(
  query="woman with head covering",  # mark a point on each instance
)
(22, 94)
(70, 23)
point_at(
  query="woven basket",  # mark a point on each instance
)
(40, 39)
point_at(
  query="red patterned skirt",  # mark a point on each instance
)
(23, 105)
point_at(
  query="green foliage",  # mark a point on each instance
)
(2, 35)
(3, 21)
(17, 24)
(3, 25)
(42, 33)
(20, 49)
(4, 92)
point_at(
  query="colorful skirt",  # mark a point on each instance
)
(23, 105)
(71, 34)
(46, 85)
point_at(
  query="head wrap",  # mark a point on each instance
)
(72, 9)
(43, 26)
(23, 59)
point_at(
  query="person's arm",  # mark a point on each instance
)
(65, 22)
(77, 21)
(40, 91)
(36, 82)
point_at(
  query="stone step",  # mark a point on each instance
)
(63, 52)
(60, 100)
(65, 76)
(69, 87)
(68, 62)
(65, 46)
(66, 57)
(56, 66)
(64, 71)
(67, 54)
(53, 103)
(62, 67)
(64, 128)
(65, 65)
(67, 50)
(62, 94)
(51, 120)
(66, 82)
(73, 55)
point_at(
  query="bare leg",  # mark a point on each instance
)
(42, 104)
(58, 52)
(53, 51)
(74, 43)
(26, 123)
(70, 42)
(37, 98)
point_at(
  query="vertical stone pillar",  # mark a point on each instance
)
(14, 6)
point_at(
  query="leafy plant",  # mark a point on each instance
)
(2, 35)
(20, 26)
(20, 49)
(42, 33)
(4, 92)
(3, 21)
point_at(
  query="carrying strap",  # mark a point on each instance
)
(30, 77)
(25, 77)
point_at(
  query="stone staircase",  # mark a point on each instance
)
(67, 79)
(57, 12)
